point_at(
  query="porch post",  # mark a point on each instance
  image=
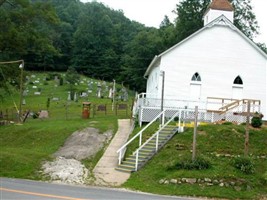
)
(162, 93)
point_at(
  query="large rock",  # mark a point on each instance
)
(83, 144)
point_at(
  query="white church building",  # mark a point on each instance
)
(217, 68)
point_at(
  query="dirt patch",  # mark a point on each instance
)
(66, 167)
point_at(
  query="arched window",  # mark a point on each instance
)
(238, 80)
(196, 77)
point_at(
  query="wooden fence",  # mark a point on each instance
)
(117, 109)
(61, 112)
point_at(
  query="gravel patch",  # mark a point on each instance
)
(66, 167)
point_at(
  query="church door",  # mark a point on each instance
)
(237, 92)
(195, 90)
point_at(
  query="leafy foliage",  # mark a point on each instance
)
(244, 164)
(256, 120)
(199, 163)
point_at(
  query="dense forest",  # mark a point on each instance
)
(96, 40)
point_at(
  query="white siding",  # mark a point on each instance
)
(153, 83)
(219, 55)
(214, 14)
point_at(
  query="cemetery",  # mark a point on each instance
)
(43, 93)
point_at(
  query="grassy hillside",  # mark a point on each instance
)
(24, 147)
(221, 145)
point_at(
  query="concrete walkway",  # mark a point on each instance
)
(104, 171)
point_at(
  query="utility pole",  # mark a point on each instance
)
(21, 66)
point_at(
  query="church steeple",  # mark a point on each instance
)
(218, 8)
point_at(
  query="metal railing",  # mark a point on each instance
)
(122, 150)
(136, 153)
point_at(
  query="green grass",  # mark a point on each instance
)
(211, 140)
(23, 148)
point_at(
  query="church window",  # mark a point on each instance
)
(196, 77)
(238, 80)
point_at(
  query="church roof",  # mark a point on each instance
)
(221, 5)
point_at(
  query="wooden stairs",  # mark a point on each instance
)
(145, 152)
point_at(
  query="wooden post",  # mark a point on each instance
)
(247, 130)
(195, 134)
(162, 95)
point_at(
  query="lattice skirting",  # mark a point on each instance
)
(148, 114)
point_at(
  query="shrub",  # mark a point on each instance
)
(244, 164)
(60, 81)
(198, 164)
(227, 123)
(256, 120)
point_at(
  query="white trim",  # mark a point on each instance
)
(195, 83)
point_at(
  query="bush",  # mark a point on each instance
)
(244, 164)
(198, 164)
(256, 121)
(60, 81)
(227, 123)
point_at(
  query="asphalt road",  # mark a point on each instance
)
(26, 189)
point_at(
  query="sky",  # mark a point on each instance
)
(152, 12)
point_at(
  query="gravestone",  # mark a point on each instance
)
(43, 114)
(83, 94)
(75, 97)
(55, 99)
(99, 90)
(69, 96)
(25, 93)
(110, 95)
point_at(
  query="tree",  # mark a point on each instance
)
(141, 50)
(167, 33)
(27, 31)
(190, 13)
(189, 17)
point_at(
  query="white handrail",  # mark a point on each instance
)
(140, 132)
(136, 153)
(159, 130)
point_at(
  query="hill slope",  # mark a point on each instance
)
(221, 144)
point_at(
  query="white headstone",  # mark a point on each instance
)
(69, 97)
